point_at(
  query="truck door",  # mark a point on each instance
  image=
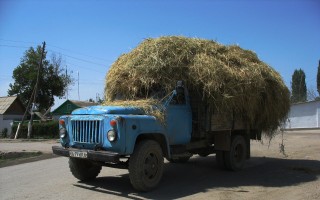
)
(179, 118)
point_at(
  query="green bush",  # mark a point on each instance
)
(46, 130)
(4, 133)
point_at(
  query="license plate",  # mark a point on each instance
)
(78, 154)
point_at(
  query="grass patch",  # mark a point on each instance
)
(17, 155)
(15, 158)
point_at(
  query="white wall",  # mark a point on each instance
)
(304, 115)
(7, 120)
(5, 124)
(1, 123)
(13, 117)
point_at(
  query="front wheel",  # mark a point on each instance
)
(146, 165)
(235, 158)
(84, 169)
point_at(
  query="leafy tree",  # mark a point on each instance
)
(311, 94)
(298, 86)
(318, 79)
(52, 80)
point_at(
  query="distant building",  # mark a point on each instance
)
(304, 116)
(11, 109)
(70, 105)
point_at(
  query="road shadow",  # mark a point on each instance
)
(202, 174)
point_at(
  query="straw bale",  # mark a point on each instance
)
(227, 77)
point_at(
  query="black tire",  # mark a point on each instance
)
(220, 160)
(84, 170)
(146, 166)
(236, 157)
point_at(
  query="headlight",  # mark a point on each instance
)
(112, 136)
(62, 133)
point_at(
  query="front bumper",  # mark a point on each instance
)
(101, 156)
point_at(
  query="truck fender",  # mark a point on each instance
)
(158, 137)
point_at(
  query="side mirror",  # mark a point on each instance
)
(180, 93)
(179, 84)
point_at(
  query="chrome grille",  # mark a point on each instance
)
(87, 131)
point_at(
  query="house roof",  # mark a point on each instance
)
(7, 102)
(69, 105)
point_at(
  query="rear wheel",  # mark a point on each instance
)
(146, 165)
(235, 158)
(84, 169)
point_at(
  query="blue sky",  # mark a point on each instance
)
(90, 35)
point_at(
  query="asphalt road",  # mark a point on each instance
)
(268, 175)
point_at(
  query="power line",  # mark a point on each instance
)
(82, 67)
(80, 59)
(66, 55)
(83, 60)
(79, 53)
(68, 62)
(15, 41)
(32, 98)
(14, 46)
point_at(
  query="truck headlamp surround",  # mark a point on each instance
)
(63, 133)
(112, 135)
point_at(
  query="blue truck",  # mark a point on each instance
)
(126, 137)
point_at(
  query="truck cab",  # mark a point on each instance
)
(128, 137)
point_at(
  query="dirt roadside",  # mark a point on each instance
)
(14, 152)
(27, 145)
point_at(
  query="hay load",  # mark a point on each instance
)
(228, 78)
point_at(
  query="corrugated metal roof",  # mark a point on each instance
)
(5, 103)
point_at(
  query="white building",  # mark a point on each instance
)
(11, 109)
(304, 116)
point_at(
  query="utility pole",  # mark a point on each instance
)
(36, 92)
(24, 115)
(32, 99)
(67, 76)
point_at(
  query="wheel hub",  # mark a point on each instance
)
(150, 166)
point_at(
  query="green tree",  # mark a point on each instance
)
(298, 86)
(52, 80)
(318, 78)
